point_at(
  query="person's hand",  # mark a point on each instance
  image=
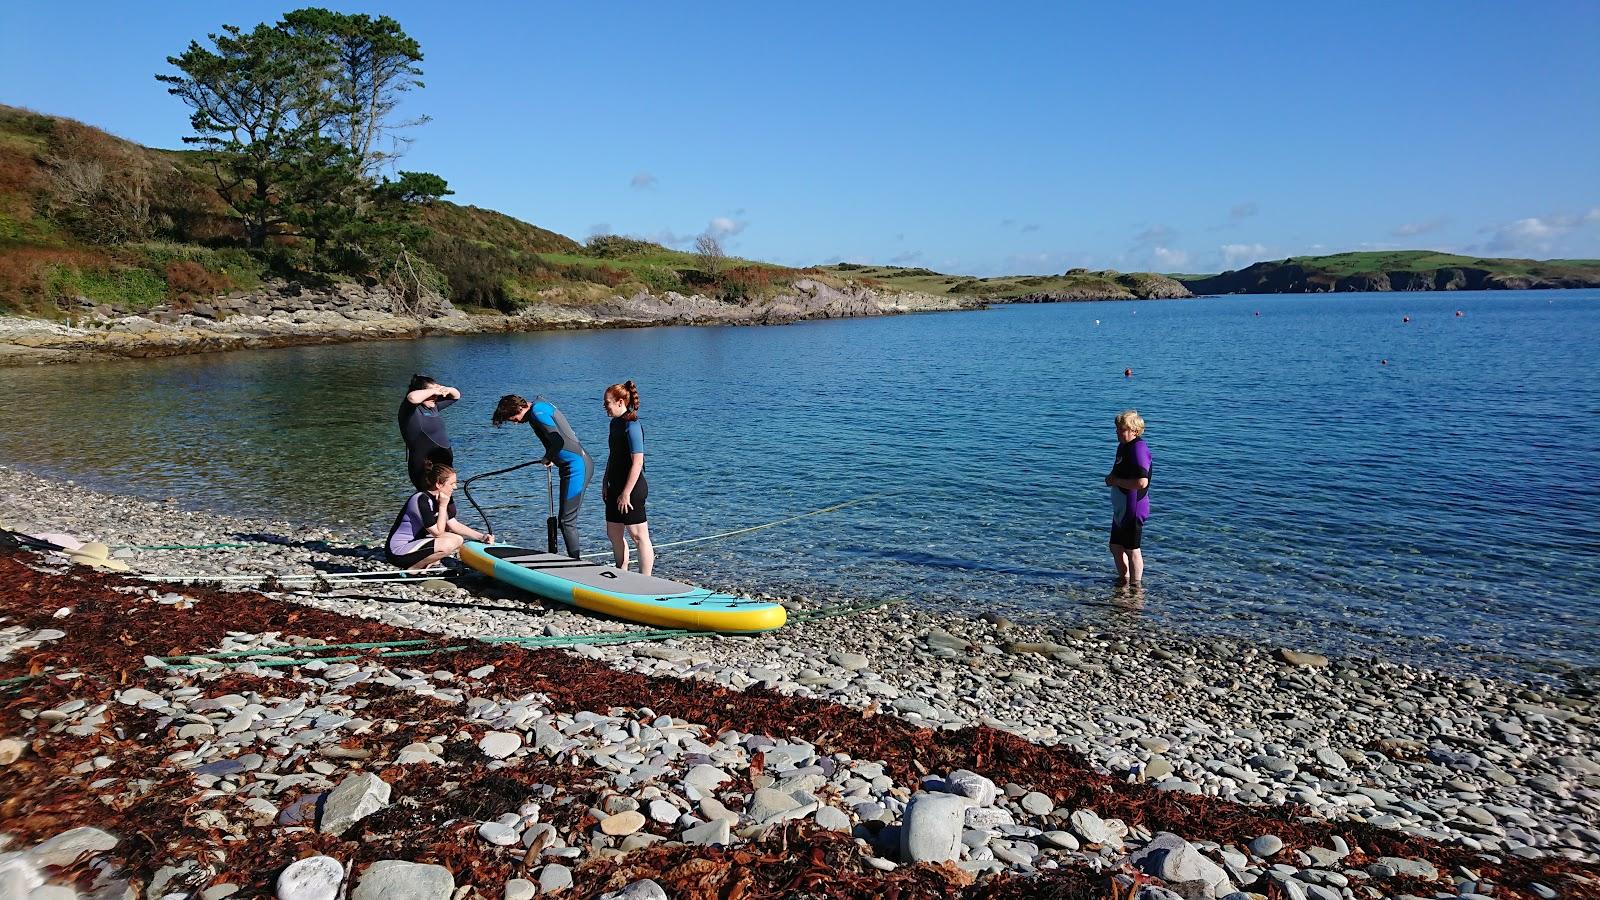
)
(1108, 481)
(624, 504)
(488, 538)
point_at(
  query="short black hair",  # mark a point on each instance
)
(418, 382)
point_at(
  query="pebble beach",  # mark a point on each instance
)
(894, 749)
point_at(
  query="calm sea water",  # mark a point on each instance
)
(1441, 507)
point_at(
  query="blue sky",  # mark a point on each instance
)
(982, 138)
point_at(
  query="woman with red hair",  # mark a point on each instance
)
(624, 487)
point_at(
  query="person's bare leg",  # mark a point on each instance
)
(619, 545)
(1135, 566)
(1121, 557)
(647, 551)
(443, 547)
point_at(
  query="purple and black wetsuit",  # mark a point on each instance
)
(1129, 509)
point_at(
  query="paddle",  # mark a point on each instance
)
(552, 523)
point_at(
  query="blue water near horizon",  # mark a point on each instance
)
(1441, 507)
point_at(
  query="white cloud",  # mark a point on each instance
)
(723, 226)
(642, 181)
(1169, 260)
(1234, 254)
(1538, 235)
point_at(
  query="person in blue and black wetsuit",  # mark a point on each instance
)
(561, 449)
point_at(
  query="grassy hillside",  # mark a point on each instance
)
(1399, 270)
(1076, 284)
(86, 215)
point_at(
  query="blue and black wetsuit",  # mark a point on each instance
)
(561, 447)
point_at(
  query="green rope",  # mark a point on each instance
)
(233, 658)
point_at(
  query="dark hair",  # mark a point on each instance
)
(508, 406)
(434, 473)
(418, 382)
(628, 393)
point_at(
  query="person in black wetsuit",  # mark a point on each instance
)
(422, 427)
(561, 449)
(624, 487)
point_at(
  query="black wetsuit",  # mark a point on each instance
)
(626, 439)
(561, 447)
(426, 441)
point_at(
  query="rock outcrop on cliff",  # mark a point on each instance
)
(1289, 277)
(1124, 286)
(285, 314)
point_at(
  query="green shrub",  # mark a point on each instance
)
(127, 287)
(660, 278)
(612, 246)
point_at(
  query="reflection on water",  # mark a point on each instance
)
(1443, 504)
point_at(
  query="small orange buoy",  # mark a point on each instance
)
(1127, 373)
(1405, 318)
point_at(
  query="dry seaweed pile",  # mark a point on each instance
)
(112, 627)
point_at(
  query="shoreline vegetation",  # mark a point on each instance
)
(112, 250)
(902, 749)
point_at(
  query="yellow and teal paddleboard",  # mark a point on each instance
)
(625, 595)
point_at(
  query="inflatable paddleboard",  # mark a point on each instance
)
(626, 595)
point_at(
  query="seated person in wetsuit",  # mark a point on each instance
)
(427, 530)
(422, 426)
(561, 449)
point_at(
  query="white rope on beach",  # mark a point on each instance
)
(738, 531)
(373, 576)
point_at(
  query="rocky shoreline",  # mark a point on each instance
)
(286, 314)
(907, 749)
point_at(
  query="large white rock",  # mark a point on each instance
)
(354, 799)
(553, 878)
(18, 875)
(715, 833)
(1176, 861)
(1089, 826)
(931, 830)
(66, 847)
(312, 878)
(520, 889)
(980, 790)
(500, 744)
(394, 879)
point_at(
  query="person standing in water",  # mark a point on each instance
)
(1129, 481)
(623, 487)
(561, 449)
(427, 530)
(422, 427)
